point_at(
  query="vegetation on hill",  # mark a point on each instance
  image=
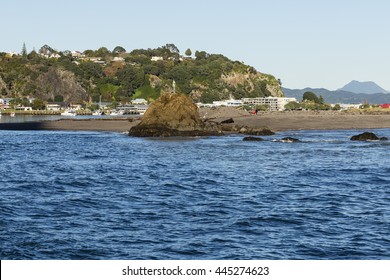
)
(118, 76)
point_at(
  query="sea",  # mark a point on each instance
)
(93, 195)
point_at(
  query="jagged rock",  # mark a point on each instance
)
(251, 138)
(172, 115)
(289, 140)
(230, 120)
(365, 136)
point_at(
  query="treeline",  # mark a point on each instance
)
(310, 101)
(118, 75)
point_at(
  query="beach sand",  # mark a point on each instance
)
(276, 121)
(301, 120)
(112, 125)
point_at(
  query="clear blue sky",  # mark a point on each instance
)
(325, 43)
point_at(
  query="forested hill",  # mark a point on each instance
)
(118, 75)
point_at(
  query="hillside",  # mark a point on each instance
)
(117, 76)
(363, 87)
(339, 96)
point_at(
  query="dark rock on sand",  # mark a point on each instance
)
(256, 131)
(230, 120)
(172, 115)
(251, 138)
(365, 136)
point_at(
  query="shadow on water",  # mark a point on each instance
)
(23, 126)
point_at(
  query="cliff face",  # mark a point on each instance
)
(254, 83)
(58, 82)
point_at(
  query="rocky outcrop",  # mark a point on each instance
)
(254, 139)
(172, 115)
(367, 136)
(263, 131)
(58, 82)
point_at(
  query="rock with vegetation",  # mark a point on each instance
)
(367, 136)
(172, 115)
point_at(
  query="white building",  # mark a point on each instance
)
(157, 58)
(228, 103)
(348, 106)
(139, 101)
(273, 103)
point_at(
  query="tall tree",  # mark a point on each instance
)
(119, 49)
(24, 50)
(310, 96)
(188, 52)
(172, 48)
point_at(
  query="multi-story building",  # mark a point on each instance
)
(273, 103)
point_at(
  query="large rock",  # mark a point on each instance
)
(365, 136)
(172, 115)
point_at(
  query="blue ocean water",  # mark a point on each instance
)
(87, 195)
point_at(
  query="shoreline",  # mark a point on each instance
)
(276, 121)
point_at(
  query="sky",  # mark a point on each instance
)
(318, 44)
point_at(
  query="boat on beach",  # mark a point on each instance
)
(69, 113)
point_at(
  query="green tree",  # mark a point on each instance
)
(310, 96)
(172, 48)
(118, 50)
(199, 55)
(58, 98)
(38, 104)
(102, 52)
(131, 78)
(24, 50)
(336, 107)
(292, 106)
(188, 52)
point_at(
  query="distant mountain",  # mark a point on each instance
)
(340, 96)
(363, 87)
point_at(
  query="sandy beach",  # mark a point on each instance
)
(276, 121)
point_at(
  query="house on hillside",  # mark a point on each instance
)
(56, 106)
(139, 101)
(157, 58)
(5, 103)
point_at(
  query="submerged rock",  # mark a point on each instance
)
(289, 140)
(365, 136)
(251, 138)
(172, 115)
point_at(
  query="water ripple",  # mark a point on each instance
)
(71, 195)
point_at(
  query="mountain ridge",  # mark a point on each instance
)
(340, 96)
(368, 87)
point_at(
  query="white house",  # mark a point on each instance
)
(53, 107)
(157, 58)
(139, 101)
(118, 59)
